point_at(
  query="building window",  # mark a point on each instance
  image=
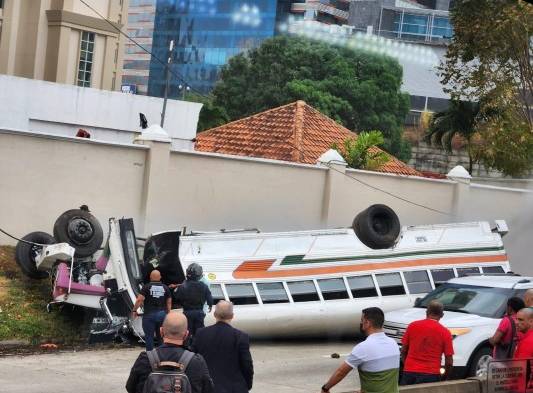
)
(417, 281)
(303, 291)
(241, 294)
(333, 288)
(86, 59)
(390, 284)
(272, 292)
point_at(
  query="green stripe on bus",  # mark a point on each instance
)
(299, 259)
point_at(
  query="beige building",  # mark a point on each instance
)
(63, 41)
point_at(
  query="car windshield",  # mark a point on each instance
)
(483, 301)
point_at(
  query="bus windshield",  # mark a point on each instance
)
(469, 299)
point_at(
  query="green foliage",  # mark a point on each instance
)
(360, 90)
(23, 313)
(362, 152)
(489, 61)
(460, 118)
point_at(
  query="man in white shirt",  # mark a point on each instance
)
(377, 358)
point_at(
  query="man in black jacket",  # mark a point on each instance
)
(173, 331)
(192, 295)
(226, 351)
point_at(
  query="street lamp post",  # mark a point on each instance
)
(167, 77)
(183, 89)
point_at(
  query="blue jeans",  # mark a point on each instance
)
(151, 323)
(409, 378)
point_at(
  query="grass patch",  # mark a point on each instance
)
(23, 314)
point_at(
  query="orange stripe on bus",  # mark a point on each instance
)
(259, 269)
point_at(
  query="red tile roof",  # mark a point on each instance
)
(294, 132)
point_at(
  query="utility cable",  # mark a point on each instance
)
(164, 63)
(379, 189)
(22, 240)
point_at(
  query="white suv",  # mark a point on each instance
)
(473, 308)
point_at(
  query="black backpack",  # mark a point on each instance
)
(506, 351)
(168, 377)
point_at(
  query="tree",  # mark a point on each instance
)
(461, 118)
(362, 152)
(360, 90)
(490, 60)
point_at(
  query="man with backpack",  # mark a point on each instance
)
(170, 367)
(507, 334)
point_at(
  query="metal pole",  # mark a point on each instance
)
(167, 77)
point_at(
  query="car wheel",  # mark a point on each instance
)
(25, 253)
(479, 364)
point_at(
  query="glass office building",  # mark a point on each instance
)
(206, 34)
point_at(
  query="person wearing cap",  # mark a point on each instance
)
(192, 295)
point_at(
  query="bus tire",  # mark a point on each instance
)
(25, 254)
(377, 227)
(81, 230)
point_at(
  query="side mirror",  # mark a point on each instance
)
(418, 301)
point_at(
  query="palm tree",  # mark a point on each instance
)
(362, 152)
(461, 118)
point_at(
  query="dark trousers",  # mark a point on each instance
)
(151, 323)
(410, 378)
(195, 320)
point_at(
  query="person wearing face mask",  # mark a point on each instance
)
(377, 358)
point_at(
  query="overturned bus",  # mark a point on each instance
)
(283, 284)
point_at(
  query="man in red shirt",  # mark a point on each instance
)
(524, 323)
(423, 345)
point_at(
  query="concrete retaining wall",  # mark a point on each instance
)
(43, 175)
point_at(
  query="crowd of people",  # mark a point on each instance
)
(217, 358)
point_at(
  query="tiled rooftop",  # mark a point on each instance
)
(294, 132)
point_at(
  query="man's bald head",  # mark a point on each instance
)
(224, 311)
(435, 310)
(155, 276)
(524, 319)
(174, 326)
(528, 298)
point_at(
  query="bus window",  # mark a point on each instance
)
(272, 292)
(333, 288)
(303, 291)
(362, 286)
(390, 284)
(464, 271)
(493, 269)
(417, 281)
(216, 292)
(440, 276)
(241, 294)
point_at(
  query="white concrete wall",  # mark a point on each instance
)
(42, 176)
(47, 107)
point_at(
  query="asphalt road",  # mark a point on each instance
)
(280, 367)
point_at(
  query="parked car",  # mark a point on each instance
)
(473, 308)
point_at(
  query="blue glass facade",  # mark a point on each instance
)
(206, 34)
